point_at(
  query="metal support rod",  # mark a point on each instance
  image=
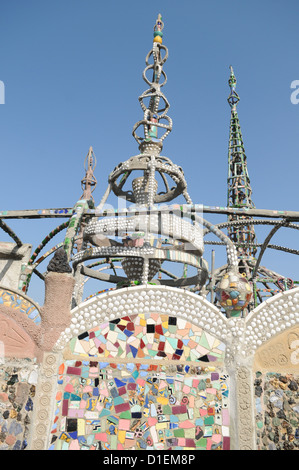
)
(212, 275)
(265, 244)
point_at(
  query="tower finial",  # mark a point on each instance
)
(89, 182)
(153, 113)
(158, 35)
(233, 98)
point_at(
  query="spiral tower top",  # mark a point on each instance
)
(156, 125)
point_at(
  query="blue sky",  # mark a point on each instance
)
(73, 73)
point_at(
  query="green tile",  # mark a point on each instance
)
(202, 443)
(179, 433)
(167, 410)
(209, 420)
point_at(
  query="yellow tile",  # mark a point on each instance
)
(81, 427)
(122, 436)
(161, 426)
(162, 400)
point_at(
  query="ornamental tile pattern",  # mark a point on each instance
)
(106, 406)
(142, 382)
(18, 302)
(149, 337)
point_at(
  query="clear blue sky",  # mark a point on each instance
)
(73, 73)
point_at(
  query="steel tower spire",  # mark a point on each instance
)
(239, 189)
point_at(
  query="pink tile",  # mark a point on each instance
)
(76, 413)
(124, 424)
(152, 421)
(74, 445)
(217, 438)
(225, 417)
(140, 382)
(186, 424)
(209, 444)
(101, 436)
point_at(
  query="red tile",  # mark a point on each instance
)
(122, 407)
(73, 371)
(131, 386)
(226, 443)
(190, 443)
(65, 407)
(159, 329)
(179, 409)
(130, 326)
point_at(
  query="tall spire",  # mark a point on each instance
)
(150, 100)
(89, 182)
(239, 189)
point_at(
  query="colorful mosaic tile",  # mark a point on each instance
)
(108, 406)
(13, 300)
(277, 411)
(149, 337)
(17, 392)
(234, 293)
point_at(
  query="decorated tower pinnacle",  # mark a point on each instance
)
(156, 124)
(89, 182)
(239, 189)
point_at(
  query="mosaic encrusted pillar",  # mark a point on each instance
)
(45, 402)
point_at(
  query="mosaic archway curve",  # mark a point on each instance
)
(269, 319)
(276, 377)
(162, 300)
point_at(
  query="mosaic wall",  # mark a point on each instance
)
(140, 406)
(17, 302)
(17, 392)
(154, 396)
(149, 337)
(277, 411)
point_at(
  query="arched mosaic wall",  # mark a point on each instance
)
(149, 380)
(158, 367)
